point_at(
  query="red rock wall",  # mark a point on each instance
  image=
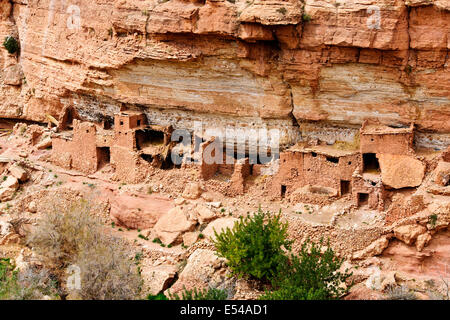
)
(262, 63)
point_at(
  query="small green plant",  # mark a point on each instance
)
(169, 246)
(142, 236)
(113, 224)
(311, 275)
(11, 44)
(138, 257)
(201, 236)
(282, 10)
(409, 69)
(254, 247)
(159, 296)
(200, 294)
(432, 220)
(157, 240)
(306, 17)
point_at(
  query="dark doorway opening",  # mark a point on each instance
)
(345, 187)
(104, 156)
(333, 159)
(147, 138)
(283, 191)
(363, 199)
(370, 163)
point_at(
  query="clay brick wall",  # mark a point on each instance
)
(400, 143)
(81, 152)
(125, 139)
(241, 172)
(207, 170)
(290, 173)
(123, 122)
(376, 193)
(127, 164)
(85, 155)
(62, 152)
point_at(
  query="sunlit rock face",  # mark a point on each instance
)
(319, 66)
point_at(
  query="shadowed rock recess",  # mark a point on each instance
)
(359, 92)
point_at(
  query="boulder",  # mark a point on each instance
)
(409, 233)
(375, 248)
(189, 238)
(10, 182)
(45, 143)
(138, 212)
(400, 171)
(172, 225)
(192, 191)
(218, 225)
(32, 207)
(204, 214)
(199, 270)
(422, 241)
(18, 172)
(7, 194)
(156, 279)
(442, 174)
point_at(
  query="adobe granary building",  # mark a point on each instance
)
(131, 145)
(322, 173)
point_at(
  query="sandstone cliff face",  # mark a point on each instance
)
(326, 65)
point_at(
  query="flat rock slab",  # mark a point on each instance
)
(400, 171)
(219, 225)
(138, 212)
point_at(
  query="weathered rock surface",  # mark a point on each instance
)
(374, 249)
(18, 172)
(225, 62)
(192, 191)
(138, 212)
(399, 171)
(172, 225)
(219, 225)
(200, 271)
(409, 233)
(156, 279)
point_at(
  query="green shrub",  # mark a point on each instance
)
(282, 10)
(254, 247)
(202, 294)
(311, 275)
(159, 296)
(11, 44)
(306, 17)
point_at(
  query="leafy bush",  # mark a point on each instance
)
(311, 275)
(11, 44)
(202, 294)
(73, 236)
(306, 17)
(159, 296)
(254, 247)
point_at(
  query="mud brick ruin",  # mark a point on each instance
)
(307, 172)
